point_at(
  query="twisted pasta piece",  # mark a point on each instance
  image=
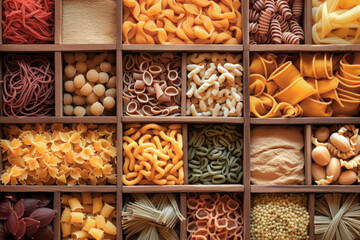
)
(253, 28)
(284, 8)
(290, 38)
(259, 5)
(275, 31)
(185, 22)
(253, 15)
(296, 29)
(297, 8)
(270, 5)
(264, 22)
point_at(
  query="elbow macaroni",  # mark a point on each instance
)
(214, 85)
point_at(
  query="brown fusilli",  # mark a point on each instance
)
(264, 22)
(275, 30)
(284, 8)
(296, 29)
(290, 38)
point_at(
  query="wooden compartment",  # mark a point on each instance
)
(58, 49)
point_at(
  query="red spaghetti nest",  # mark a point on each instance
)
(28, 21)
(28, 86)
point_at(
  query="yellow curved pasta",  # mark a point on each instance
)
(153, 154)
(182, 22)
(336, 22)
(314, 85)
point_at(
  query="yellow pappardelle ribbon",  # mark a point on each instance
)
(336, 21)
(182, 22)
(312, 85)
(153, 154)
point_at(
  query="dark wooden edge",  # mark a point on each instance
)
(183, 83)
(120, 16)
(183, 210)
(311, 211)
(58, 22)
(47, 120)
(119, 157)
(305, 188)
(307, 154)
(119, 203)
(57, 207)
(188, 119)
(245, 23)
(185, 152)
(307, 21)
(182, 47)
(1, 30)
(55, 188)
(305, 120)
(183, 188)
(58, 85)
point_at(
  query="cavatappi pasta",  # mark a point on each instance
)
(154, 217)
(214, 86)
(152, 154)
(59, 154)
(152, 84)
(305, 84)
(336, 22)
(215, 216)
(182, 22)
(215, 154)
(88, 216)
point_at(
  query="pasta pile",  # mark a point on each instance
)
(336, 158)
(336, 22)
(152, 84)
(153, 154)
(57, 154)
(216, 216)
(279, 216)
(337, 216)
(155, 217)
(182, 22)
(90, 84)
(88, 216)
(309, 85)
(215, 153)
(214, 85)
(276, 21)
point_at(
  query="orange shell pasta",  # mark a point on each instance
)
(182, 22)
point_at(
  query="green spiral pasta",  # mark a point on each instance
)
(215, 154)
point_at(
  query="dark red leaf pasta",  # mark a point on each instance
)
(28, 21)
(28, 86)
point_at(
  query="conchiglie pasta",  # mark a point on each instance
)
(185, 22)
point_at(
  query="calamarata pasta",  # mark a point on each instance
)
(182, 22)
(214, 86)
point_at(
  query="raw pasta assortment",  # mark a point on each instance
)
(89, 84)
(153, 154)
(214, 86)
(276, 155)
(215, 154)
(335, 154)
(26, 216)
(215, 216)
(152, 84)
(337, 216)
(335, 22)
(182, 22)
(28, 85)
(276, 21)
(56, 154)
(151, 217)
(28, 21)
(88, 216)
(305, 84)
(89, 22)
(279, 216)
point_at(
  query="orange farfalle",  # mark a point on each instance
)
(56, 154)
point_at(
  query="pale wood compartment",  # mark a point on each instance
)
(245, 121)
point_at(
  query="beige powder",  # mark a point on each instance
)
(89, 22)
(276, 156)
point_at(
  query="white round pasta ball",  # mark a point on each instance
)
(78, 100)
(111, 83)
(67, 99)
(103, 77)
(111, 92)
(68, 110)
(79, 111)
(80, 57)
(70, 71)
(91, 98)
(92, 75)
(81, 67)
(105, 67)
(79, 81)
(109, 103)
(99, 90)
(69, 86)
(69, 58)
(88, 110)
(86, 89)
(97, 109)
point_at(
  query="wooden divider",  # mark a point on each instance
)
(246, 121)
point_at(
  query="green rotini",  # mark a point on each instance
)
(215, 154)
